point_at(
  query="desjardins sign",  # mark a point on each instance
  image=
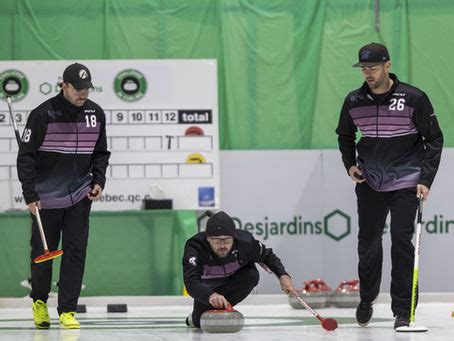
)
(336, 225)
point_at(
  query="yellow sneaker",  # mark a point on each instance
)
(68, 321)
(41, 315)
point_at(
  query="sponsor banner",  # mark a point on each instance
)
(303, 205)
(162, 128)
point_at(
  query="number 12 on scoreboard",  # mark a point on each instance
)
(169, 116)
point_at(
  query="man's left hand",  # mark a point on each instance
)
(423, 191)
(287, 285)
(95, 192)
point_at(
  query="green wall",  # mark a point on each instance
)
(129, 253)
(284, 65)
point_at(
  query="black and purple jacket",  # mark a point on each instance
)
(401, 141)
(63, 152)
(203, 270)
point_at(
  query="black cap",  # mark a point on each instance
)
(372, 54)
(78, 75)
(220, 224)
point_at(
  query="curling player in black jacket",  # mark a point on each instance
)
(219, 266)
(61, 164)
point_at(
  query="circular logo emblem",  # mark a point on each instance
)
(130, 85)
(83, 74)
(14, 84)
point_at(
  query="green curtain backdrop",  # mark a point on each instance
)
(284, 65)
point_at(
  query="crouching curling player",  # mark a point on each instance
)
(219, 266)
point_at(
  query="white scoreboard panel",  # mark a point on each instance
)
(161, 120)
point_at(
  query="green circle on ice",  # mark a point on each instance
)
(130, 85)
(14, 84)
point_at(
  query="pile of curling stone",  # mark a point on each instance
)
(346, 295)
(315, 292)
(222, 321)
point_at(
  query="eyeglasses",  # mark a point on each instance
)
(219, 241)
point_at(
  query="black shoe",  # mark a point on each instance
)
(401, 321)
(189, 322)
(364, 313)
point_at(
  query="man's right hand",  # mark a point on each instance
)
(287, 285)
(32, 206)
(355, 174)
(218, 301)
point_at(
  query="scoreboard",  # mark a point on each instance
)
(161, 124)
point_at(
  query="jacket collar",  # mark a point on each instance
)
(68, 105)
(365, 88)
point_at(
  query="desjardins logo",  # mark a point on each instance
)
(130, 85)
(14, 84)
(336, 225)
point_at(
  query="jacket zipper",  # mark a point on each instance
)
(75, 161)
(377, 106)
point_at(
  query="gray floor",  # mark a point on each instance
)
(267, 317)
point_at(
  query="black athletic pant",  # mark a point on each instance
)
(72, 224)
(235, 289)
(373, 208)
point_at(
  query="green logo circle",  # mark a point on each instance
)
(130, 85)
(14, 84)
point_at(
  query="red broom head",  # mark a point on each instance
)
(329, 324)
(48, 256)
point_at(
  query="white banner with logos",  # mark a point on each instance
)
(162, 128)
(303, 205)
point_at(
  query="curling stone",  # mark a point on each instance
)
(222, 321)
(346, 295)
(316, 293)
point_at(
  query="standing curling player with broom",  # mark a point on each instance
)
(62, 164)
(393, 164)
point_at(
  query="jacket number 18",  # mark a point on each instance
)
(90, 120)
